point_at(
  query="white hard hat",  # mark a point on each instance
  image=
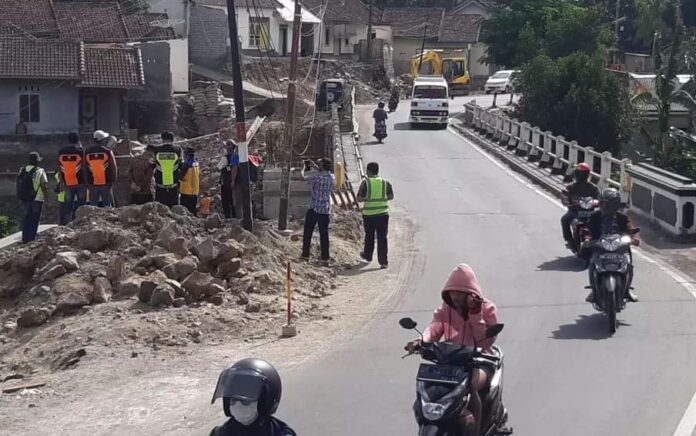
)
(100, 135)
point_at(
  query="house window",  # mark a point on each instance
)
(29, 111)
(327, 35)
(258, 32)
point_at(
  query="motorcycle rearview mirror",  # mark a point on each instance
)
(408, 323)
(494, 330)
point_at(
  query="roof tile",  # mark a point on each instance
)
(411, 22)
(112, 67)
(39, 59)
(91, 22)
(33, 16)
(459, 27)
(139, 27)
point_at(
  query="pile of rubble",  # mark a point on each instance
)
(117, 264)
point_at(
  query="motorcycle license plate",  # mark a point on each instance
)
(441, 373)
(612, 257)
(584, 214)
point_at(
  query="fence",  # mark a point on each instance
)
(665, 198)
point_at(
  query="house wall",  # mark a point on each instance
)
(157, 65)
(352, 32)
(179, 64)
(58, 106)
(175, 10)
(208, 40)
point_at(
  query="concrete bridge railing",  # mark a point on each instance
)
(665, 198)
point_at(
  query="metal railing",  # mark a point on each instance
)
(550, 151)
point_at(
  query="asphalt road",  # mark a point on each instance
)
(564, 374)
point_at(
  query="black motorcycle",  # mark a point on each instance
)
(443, 388)
(611, 274)
(380, 131)
(393, 104)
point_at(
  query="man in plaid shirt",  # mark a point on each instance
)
(321, 184)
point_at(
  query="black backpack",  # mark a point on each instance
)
(25, 184)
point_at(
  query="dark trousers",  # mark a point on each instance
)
(227, 198)
(378, 225)
(167, 196)
(566, 221)
(32, 217)
(140, 198)
(189, 202)
(311, 220)
(103, 194)
(74, 198)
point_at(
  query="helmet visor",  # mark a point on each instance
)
(239, 384)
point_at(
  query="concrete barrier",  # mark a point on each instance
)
(665, 198)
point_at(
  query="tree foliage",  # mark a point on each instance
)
(522, 29)
(576, 97)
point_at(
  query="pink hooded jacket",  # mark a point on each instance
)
(449, 325)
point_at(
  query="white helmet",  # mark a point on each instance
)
(100, 135)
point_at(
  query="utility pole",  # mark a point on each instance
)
(242, 146)
(369, 34)
(420, 61)
(290, 121)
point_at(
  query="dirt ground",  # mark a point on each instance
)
(164, 386)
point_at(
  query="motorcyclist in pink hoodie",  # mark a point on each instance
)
(463, 318)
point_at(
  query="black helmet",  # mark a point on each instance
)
(582, 172)
(380, 105)
(250, 380)
(609, 201)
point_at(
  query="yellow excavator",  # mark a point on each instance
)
(453, 69)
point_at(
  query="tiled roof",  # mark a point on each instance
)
(341, 11)
(91, 22)
(411, 22)
(8, 30)
(139, 27)
(459, 27)
(40, 59)
(33, 16)
(107, 67)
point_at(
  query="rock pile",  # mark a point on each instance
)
(161, 257)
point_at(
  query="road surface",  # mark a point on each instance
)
(564, 375)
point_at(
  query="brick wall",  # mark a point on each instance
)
(208, 37)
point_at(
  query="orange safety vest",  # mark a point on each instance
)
(98, 162)
(70, 166)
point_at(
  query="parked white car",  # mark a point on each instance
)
(502, 81)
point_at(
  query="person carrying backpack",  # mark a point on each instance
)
(32, 189)
(72, 177)
(101, 170)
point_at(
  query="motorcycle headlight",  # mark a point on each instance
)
(610, 243)
(433, 411)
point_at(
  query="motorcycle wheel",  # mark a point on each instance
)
(610, 307)
(434, 430)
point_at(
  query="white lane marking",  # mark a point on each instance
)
(687, 424)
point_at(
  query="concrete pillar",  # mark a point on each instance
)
(572, 158)
(506, 131)
(523, 143)
(546, 157)
(534, 152)
(605, 170)
(561, 145)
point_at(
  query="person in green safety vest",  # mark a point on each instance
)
(168, 165)
(60, 192)
(375, 193)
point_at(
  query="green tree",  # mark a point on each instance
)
(519, 30)
(575, 96)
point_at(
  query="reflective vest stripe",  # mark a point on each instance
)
(98, 163)
(376, 202)
(70, 165)
(61, 192)
(167, 164)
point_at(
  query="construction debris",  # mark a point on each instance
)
(142, 275)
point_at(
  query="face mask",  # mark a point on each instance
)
(245, 415)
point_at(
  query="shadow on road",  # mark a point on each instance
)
(402, 126)
(594, 327)
(375, 142)
(568, 263)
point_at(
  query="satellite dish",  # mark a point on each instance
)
(166, 23)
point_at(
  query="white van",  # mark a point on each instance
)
(429, 102)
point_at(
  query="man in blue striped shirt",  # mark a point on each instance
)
(321, 183)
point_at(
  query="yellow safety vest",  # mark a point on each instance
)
(190, 184)
(61, 192)
(376, 202)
